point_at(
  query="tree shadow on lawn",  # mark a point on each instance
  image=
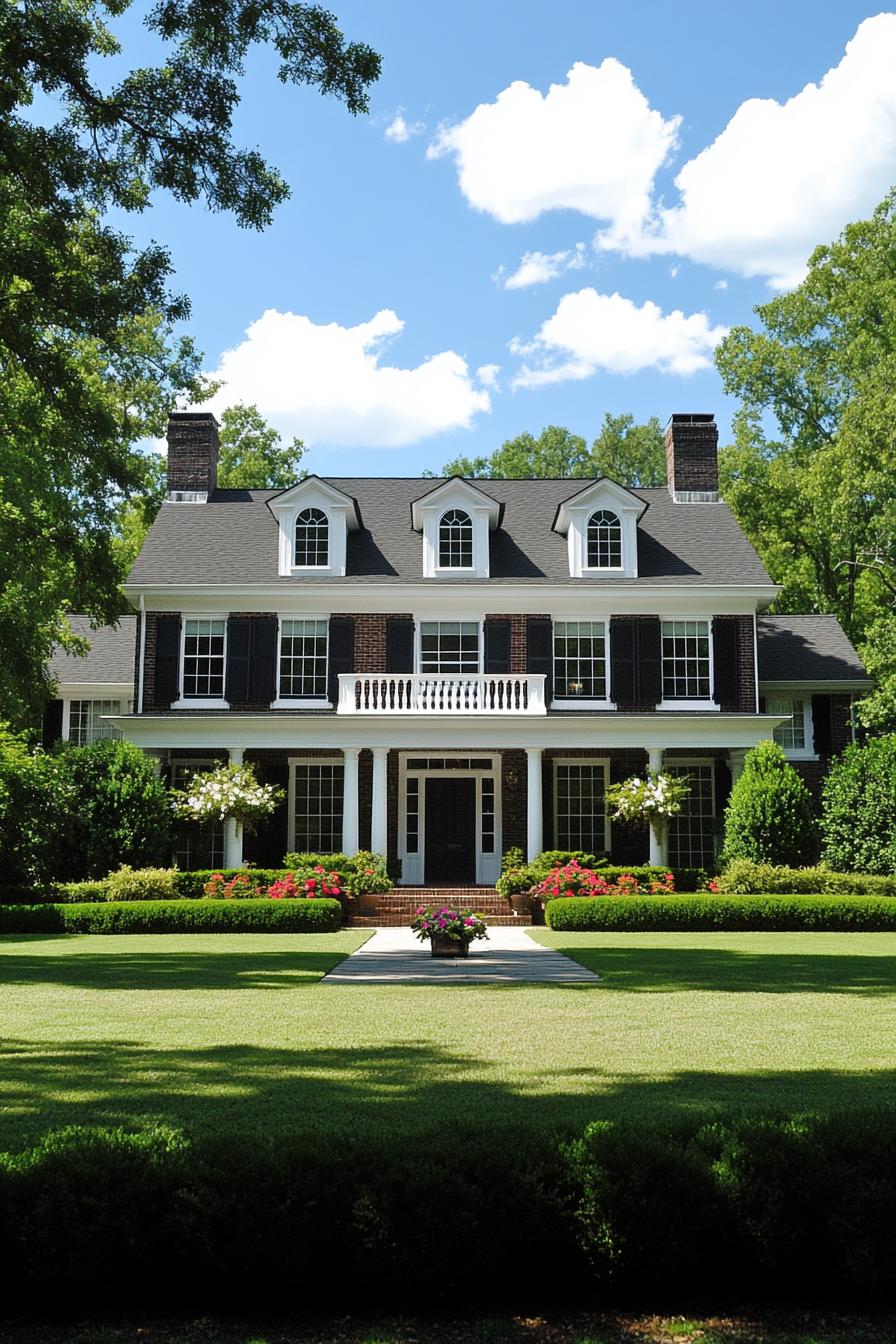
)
(385, 1093)
(180, 970)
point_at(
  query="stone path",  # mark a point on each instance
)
(509, 955)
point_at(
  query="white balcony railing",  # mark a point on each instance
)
(421, 693)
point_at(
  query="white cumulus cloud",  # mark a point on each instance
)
(591, 144)
(591, 332)
(400, 130)
(487, 374)
(331, 385)
(783, 177)
(536, 268)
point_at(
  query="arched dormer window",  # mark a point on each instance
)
(455, 540)
(604, 540)
(312, 545)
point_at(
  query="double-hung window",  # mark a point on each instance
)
(317, 797)
(85, 724)
(580, 808)
(204, 640)
(686, 660)
(796, 736)
(449, 647)
(303, 659)
(580, 660)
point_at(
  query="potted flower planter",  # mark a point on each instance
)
(440, 946)
(450, 931)
(521, 902)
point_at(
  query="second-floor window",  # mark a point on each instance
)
(580, 660)
(312, 548)
(449, 647)
(456, 540)
(303, 659)
(604, 540)
(204, 641)
(686, 660)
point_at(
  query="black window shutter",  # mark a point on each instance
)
(263, 665)
(540, 652)
(399, 644)
(52, 724)
(622, 660)
(342, 653)
(239, 650)
(725, 662)
(822, 724)
(167, 687)
(497, 646)
(648, 639)
(722, 774)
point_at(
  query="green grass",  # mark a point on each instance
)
(231, 1033)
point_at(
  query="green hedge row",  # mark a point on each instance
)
(723, 914)
(262, 916)
(743, 877)
(186, 886)
(794, 1209)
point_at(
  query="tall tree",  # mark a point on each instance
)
(88, 358)
(631, 454)
(252, 455)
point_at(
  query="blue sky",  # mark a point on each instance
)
(382, 325)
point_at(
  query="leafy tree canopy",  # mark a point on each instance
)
(252, 455)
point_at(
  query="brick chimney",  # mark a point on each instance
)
(692, 458)
(192, 456)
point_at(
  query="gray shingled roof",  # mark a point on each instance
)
(806, 649)
(233, 538)
(111, 656)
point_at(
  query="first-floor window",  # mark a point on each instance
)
(685, 660)
(580, 660)
(86, 724)
(449, 647)
(303, 659)
(692, 832)
(204, 658)
(580, 810)
(196, 845)
(318, 806)
(791, 736)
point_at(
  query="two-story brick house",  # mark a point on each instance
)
(440, 669)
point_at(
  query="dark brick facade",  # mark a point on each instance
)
(692, 455)
(193, 449)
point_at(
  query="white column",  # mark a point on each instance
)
(657, 855)
(350, 800)
(233, 832)
(378, 834)
(534, 809)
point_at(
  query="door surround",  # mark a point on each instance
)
(482, 766)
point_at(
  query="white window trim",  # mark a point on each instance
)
(604, 569)
(325, 758)
(319, 569)
(199, 702)
(420, 621)
(298, 701)
(566, 702)
(413, 866)
(682, 706)
(604, 763)
(807, 752)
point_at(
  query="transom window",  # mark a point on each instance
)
(303, 659)
(204, 658)
(604, 540)
(580, 809)
(86, 724)
(791, 736)
(456, 540)
(312, 549)
(685, 660)
(692, 831)
(580, 660)
(318, 807)
(449, 647)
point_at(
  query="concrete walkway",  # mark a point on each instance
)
(508, 955)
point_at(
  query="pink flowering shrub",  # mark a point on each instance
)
(309, 885)
(239, 888)
(571, 880)
(462, 925)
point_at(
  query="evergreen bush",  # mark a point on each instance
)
(769, 817)
(141, 884)
(858, 817)
(118, 811)
(722, 914)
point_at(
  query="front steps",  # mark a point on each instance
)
(397, 907)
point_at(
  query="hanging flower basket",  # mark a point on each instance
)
(231, 791)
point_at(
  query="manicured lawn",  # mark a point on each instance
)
(226, 1033)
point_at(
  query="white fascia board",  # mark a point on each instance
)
(93, 690)
(794, 687)
(450, 732)
(630, 597)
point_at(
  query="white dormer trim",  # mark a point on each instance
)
(427, 513)
(342, 518)
(572, 522)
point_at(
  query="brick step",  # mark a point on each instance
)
(407, 911)
(439, 893)
(389, 921)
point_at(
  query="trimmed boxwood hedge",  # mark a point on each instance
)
(794, 1209)
(743, 877)
(722, 914)
(261, 916)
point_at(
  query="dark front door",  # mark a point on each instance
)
(451, 830)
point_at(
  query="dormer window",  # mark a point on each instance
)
(456, 540)
(312, 549)
(604, 540)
